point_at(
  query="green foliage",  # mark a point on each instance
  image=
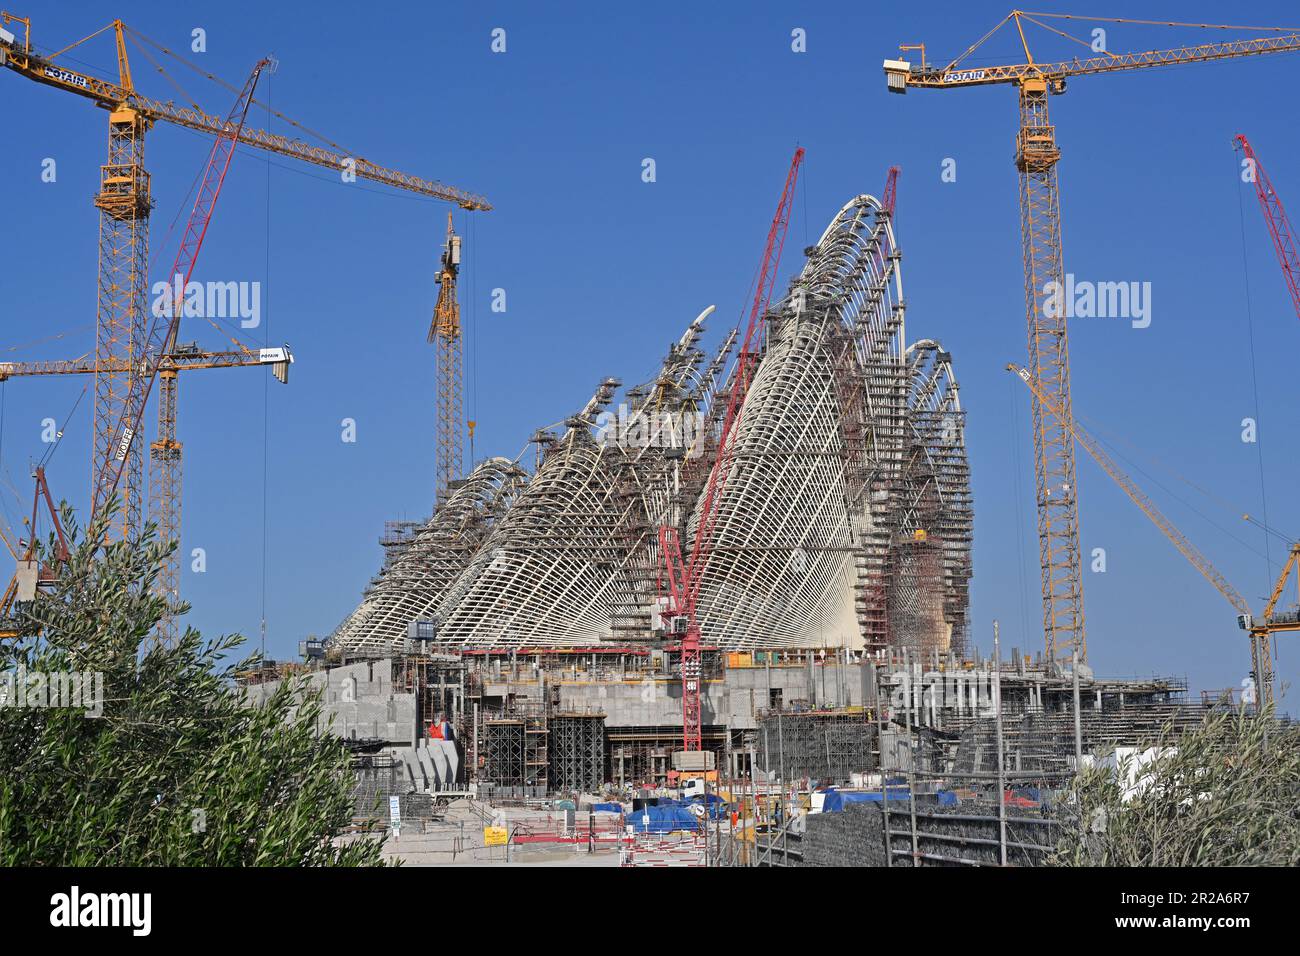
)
(1224, 794)
(178, 771)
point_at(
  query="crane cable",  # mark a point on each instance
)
(1254, 381)
(1020, 507)
(1254, 373)
(58, 437)
(266, 399)
(167, 76)
(265, 104)
(472, 229)
(51, 338)
(1288, 539)
(1113, 445)
(4, 503)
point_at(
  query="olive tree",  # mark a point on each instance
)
(177, 769)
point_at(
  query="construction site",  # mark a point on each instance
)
(718, 617)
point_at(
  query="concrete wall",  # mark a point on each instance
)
(735, 701)
(357, 702)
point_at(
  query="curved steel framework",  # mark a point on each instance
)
(556, 568)
(845, 519)
(932, 509)
(415, 579)
(576, 560)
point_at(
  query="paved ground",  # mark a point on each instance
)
(437, 850)
(457, 840)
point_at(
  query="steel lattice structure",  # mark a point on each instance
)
(445, 333)
(411, 585)
(845, 520)
(121, 316)
(935, 493)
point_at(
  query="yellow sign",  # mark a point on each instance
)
(495, 836)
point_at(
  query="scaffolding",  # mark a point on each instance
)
(438, 683)
(422, 560)
(830, 745)
(1045, 742)
(643, 755)
(536, 747)
(501, 752)
(577, 758)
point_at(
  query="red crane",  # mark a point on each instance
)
(684, 578)
(33, 574)
(162, 331)
(1279, 227)
(891, 189)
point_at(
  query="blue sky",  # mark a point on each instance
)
(601, 270)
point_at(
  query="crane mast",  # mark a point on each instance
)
(162, 334)
(1037, 155)
(1260, 630)
(1049, 362)
(165, 497)
(445, 334)
(124, 201)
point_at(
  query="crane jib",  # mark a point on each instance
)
(67, 76)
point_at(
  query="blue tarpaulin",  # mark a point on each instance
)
(947, 798)
(663, 819)
(607, 807)
(837, 800)
(717, 806)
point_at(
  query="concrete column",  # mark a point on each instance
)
(868, 676)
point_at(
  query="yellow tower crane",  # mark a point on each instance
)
(445, 333)
(124, 202)
(1036, 154)
(1260, 629)
(165, 451)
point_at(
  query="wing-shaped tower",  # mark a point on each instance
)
(413, 582)
(817, 433)
(845, 520)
